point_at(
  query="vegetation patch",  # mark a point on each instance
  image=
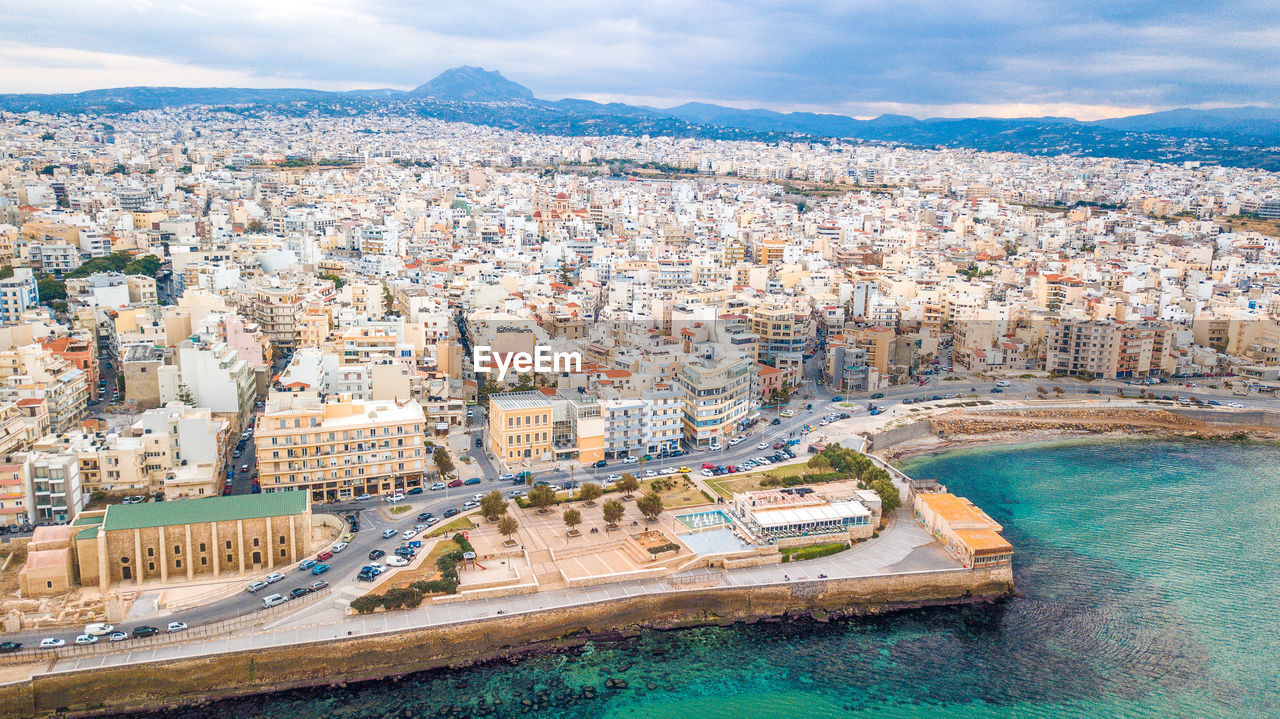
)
(813, 551)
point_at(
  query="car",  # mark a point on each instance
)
(787, 413)
(306, 564)
(397, 562)
(996, 390)
(477, 497)
(317, 585)
(707, 473)
(1215, 403)
(450, 512)
(685, 470)
(876, 395)
(470, 503)
(376, 553)
(378, 567)
(52, 643)
(479, 442)
(319, 569)
(388, 534)
(735, 441)
(424, 516)
(762, 445)
(630, 460)
(274, 577)
(707, 465)
(1094, 390)
(408, 534)
(406, 552)
(366, 575)
(507, 477)
(176, 627)
(10, 647)
(338, 547)
(272, 600)
(455, 483)
(396, 498)
(779, 445)
(326, 554)
(415, 490)
(299, 592)
(255, 586)
(776, 421)
(437, 486)
(600, 463)
(472, 481)
(244, 468)
(615, 478)
(145, 631)
(98, 629)
(821, 423)
(86, 639)
(364, 497)
(650, 473)
(1235, 405)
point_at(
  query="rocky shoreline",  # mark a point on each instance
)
(961, 430)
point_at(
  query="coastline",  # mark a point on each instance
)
(196, 681)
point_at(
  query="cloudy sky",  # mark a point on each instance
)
(1081, 58)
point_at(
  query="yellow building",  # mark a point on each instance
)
(878, 342)
(341, 449)
(545, 426)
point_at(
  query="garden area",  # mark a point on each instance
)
(447, 559)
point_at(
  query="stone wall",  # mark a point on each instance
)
(887, 438)
(157, 684)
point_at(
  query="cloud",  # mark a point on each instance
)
(1076, 57)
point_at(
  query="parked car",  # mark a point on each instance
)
(272, 600)
(415, 490)
(176, 627)
(255, 586)
(98, 629)
(437, 486)
(395, 498)
(317, 585)
(274, 577)
(450, 512)
(52, 643)
(10, 647)
(507, 477)
(376, 553)
(364, 497)
(338, 547)
(424, 516)
(326, 554)
(319, 569)
(145, 631)
(299, 592)
(473, 480)
(86, 639)
(408, 534)
(397, 562)
(456, 483)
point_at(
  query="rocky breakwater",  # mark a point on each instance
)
(157, 684)
(960, 425)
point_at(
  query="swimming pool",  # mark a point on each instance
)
(704, 520)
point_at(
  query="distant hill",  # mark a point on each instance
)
(1242, 136)
(473, 84)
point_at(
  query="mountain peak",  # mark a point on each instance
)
(474, 84)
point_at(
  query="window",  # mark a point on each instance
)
(228, 544)
(202, 546)
(151, 552)
(124, 560)
(255, 541)
(230, 559)
(282, 539)
(177, 563)
(204, 561)
(177, 549)
(282, 553)
(151, 566)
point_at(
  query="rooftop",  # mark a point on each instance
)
(210, 509)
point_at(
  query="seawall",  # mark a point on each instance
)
(157, 684)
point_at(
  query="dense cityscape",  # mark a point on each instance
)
(288, 385)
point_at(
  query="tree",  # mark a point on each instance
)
(337, 281)
(590, 492)
(650, 505)
(542, 497)
(819, 462)
(147, 265)
(48, 170)
(51, 288)
(507, 526)
(256, 227)
(185, 396)
(444, 462)
(629, 484)
(572, 518)
(492, 506)
(613, 511)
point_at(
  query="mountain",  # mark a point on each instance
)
(473, 84)
(1242, 136)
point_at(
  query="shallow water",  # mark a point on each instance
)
(1149, 574)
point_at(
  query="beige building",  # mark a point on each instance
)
(171, 542)
(342, 448)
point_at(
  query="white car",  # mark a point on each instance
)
(408, 534)
(708, 473)
(176, 627)
(516, 493)
(437, 486)
(244, 468)
(273, 577)
(650, 473)
(735, 441)
(470, 503)
(477, 496)
(364, 497)
(52, 643)
(1236, 405)
(394, 561)
(338, 547)
(821, 423)
(117, 636)
(378, 566)
(715, 447)
(98, 629)
(615, 478)
(630, 460)
(765, 445)
(395, 498)
(86, 639)
(255, 586)
(668, 470)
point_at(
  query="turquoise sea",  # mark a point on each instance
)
(1149, 574)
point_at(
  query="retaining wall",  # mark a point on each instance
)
(163, 683)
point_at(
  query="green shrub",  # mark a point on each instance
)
(812, 552)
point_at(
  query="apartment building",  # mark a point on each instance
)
(32, 371)
(719, 396)
(647, 424)
(877, 342)
(342, 448)
(214, 376)
(17, 295)
(1107, 350)
(783, 334)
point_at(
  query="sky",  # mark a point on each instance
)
(952, 58)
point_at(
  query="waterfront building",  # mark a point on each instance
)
(966, 531)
